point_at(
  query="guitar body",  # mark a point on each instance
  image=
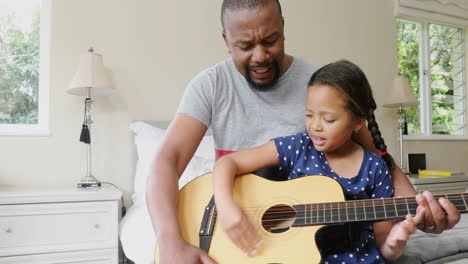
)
(256, 195)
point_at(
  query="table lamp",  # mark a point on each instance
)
(399, 96)
(91, 79)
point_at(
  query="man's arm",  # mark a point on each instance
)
(439, 214)
(180, 143)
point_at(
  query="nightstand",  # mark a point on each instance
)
(43, 224)
(440, 185)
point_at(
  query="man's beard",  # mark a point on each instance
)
(266, 86)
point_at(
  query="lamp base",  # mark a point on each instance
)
(89, 182)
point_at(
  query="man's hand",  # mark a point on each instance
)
(181, 252)
(440, 214)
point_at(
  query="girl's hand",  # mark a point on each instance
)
(239, 229)
(396, 240)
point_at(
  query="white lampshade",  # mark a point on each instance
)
(400, 93)
(92, 74)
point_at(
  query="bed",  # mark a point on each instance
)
(135, 229)
(137, 235)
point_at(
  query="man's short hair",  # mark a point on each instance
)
(247, 4)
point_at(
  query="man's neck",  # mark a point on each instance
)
(287, 62)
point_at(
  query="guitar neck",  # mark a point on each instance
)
(366, 210)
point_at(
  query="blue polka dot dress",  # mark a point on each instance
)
(298, 157)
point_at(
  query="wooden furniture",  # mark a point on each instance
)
(440, 185)
(40, 224)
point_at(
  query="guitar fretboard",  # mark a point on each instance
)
(366, 210)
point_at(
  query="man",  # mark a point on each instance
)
(247, 100)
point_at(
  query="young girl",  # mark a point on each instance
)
(339, 102)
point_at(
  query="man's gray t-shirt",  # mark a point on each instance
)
(242, 117)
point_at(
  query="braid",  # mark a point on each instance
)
(352, 82)
(377, 136)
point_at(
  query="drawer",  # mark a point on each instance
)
(442, 188)
(106, 256)
(57, 227)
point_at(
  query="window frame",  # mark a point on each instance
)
(425, 99)
(42, 127)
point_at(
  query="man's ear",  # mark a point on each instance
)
(225, 41)
(282, 25)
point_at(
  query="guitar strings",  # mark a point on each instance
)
(364, 203)
(328, 219)
(391, 203)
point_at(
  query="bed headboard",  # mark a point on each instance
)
(147, 136)
(158, 123)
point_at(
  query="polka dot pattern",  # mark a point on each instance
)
(298, 157)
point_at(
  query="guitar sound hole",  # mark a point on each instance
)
(279, 218)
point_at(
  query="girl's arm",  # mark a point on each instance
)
(234, 222)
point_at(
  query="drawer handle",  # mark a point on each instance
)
(8, 230)
(97, 226)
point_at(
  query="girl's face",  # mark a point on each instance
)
(329, 123)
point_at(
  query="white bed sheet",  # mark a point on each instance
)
(137, 235)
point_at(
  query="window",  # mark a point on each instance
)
(432, 57)
(23, 67)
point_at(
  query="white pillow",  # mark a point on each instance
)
(148, 140)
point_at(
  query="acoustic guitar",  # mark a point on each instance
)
(288, 214)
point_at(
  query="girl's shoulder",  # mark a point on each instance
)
(299, 143)
(373, 160)
(300, 138)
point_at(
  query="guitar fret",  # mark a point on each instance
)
(463, 198)
(373, 206)
(459, 203)
(336, 214)
(305, 214)
(347, 217)
(343, 212)
(355, 213)
(392, 210)
(413, 205)
(401, 207)
(339, 214)
(317, 214)
(407, 206)
(365, 214)
(368, 210)
(324, 211)
(360, 210)
(310, 214)
(379, 209)
(384, 208)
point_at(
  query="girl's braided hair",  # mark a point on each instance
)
(348, 78)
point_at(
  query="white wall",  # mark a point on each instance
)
(154, 48)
